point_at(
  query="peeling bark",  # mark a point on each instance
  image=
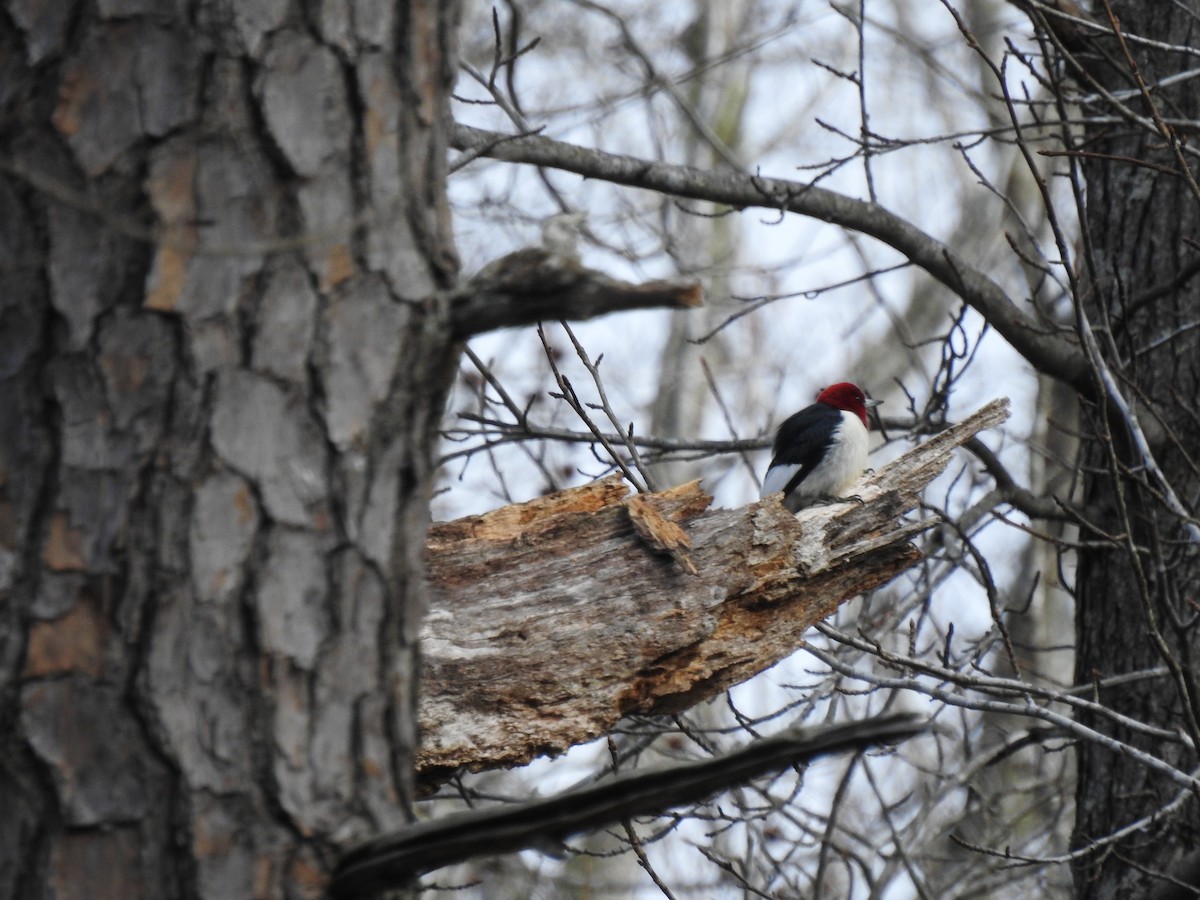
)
(550, 620)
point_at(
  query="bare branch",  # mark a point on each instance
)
(1047, 351)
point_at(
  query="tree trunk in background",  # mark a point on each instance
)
(703, 244)
(1142, 224)
(222, 230)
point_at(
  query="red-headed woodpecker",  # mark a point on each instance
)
(821, 450)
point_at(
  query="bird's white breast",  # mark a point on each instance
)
(843, 463)
(840, 468)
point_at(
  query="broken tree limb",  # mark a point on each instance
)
(550, 620)
(533, 285)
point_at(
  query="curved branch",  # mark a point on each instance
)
(1048, 352)
(1008, 491)
(388, 861)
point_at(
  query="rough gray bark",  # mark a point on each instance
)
(224, 352)
(1136, 594)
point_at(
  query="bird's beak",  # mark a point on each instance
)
(869, 403)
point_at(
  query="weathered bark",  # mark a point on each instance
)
(550, 620)
(1136, 594)
(225, 348)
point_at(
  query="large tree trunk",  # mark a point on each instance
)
(223, 237)
(1136, 594)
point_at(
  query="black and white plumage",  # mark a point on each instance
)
(822, 450)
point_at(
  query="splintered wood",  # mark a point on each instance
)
(552, 619)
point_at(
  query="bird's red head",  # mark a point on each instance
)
(849, 397)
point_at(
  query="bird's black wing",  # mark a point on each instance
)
(803, 439)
